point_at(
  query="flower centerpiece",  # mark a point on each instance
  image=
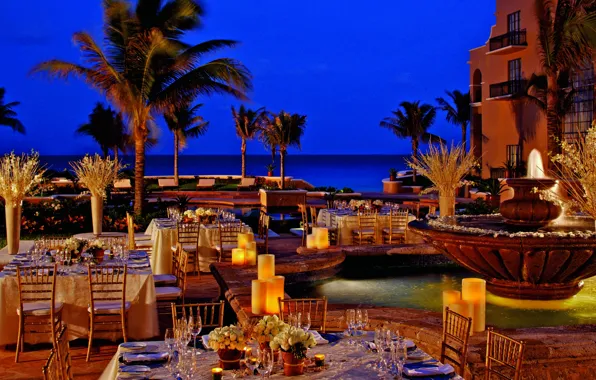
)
(266, 329)
(189, 216)
(19, 175)
(97, 248)
(229, 342)
(96, 173)
(446, 169)
(293, 343)
(357, 205)
(75, 246)
(378, 205)
(206, 215)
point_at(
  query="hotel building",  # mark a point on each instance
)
(504, 129)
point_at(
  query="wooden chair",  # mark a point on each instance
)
(506, 353)
(398, 227)
(108, 306)
(166, 279)
(188, 236)
(454, 346)
(51, 370)
(64, 354)
(212, 313)
(333, 228)
(367, 228)
(227, 239)
(262, 238)
(137, 240)
(38, 311)
(317, 307)
(166, 294)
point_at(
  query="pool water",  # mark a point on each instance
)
(422, 289)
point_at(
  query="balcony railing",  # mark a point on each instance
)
(510, 87)
(513, 38)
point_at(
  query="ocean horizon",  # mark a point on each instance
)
(359, 172)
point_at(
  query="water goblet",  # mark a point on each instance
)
(265, 363)
(170, 339)
(305, 322)
(195, 327)
(252, 358)
(351, 322)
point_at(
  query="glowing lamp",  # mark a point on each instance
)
(266, 267)
(251, 253)
(449, 297)
(322, 238)
(311, 242)
(275, 290)
(244, 238)
(217, 373)
(474, 291)
(259, 297)
(238, 256)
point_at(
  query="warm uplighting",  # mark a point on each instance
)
(319, 360)
(251, 253)
(322, 238)
(311, 242)
(275, 290)
(238, 256)
(217, 373)
(266, 267)
(449, 297)
(244, 238)
(474, 291)
(259, 297)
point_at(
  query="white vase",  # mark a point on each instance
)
(97, 214)
(446, 205)
(13, 228)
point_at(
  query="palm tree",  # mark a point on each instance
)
(144, 69)
(185, 123)
(107, 128)
(566, 37)
(413, 121)
(458, 111)
(8, 116)
(248, 124)
(283, 131)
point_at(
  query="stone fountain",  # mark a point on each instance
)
(521, 252)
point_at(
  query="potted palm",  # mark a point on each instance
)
(229, 342)
(493, 188)
(293, 344)
(270, 169)
(392, 174)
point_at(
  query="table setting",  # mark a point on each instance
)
(73, 258)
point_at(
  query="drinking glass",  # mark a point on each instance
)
(252, 359)
(401, 354)
(195, 325)
(265, 363)
(170, 340)
(380, 342)
(305, 322)
(364, 319)
(350, 322)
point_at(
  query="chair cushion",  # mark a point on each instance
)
(396, 231)
(226, 247)
(188, 247)
(364, 231)
(167, 293)
(39, 308)
(164, 279)
(108, 307)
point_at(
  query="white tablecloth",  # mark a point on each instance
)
(165, 236)
(73, 291)
(342, 361)
(346, 223)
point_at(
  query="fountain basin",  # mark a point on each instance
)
(526, 208)
(542, 264)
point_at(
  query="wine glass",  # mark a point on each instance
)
(252, 359)
(195, 325)
(401, 354)
(364, 319)
(170, 339)
(350, 322)
(265, 363)
(305, 322)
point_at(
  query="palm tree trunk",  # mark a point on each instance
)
(553, 121)
(273, 153)
(243, 150)
(464, 135)
(139, 173)
(414, 156)
(115, 149)
(176, 149)
(282, 167)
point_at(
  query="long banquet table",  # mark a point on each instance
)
(342, 362)
(347, 221)
(73, 290)
(164, 235)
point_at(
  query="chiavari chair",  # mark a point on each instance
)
(227, 239)
(64, 354)
(504, 356)
(398, 227)
(108, 308)
(367, 227)
(454, 345)
(166, 279)
(38, 311)
(211, 313)
(262, 238)
(166, 294)
(137, 241)
(51, 370)
(317, 307)
(188, 236)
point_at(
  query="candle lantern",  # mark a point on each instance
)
(474, 291)
(251, 253)
(217, 373)
(275, 290)
(266, 267)
(449, 297)
(259, 297)
(322, 238)
(311, 242)
(238, 256)
(244, 238)
(319, 360)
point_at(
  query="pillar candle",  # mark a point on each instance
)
(275, 290)
(259, 297)
(251, 253)
(464, 308)
(474, 291)
(238, 256)
(266, 267)
(244, 238)
(449, 297)
(311, 242)
(322, 238)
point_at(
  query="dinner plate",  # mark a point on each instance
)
(134, 345)
(135, 369)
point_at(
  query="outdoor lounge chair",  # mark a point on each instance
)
(166, 182)
(123, 184)
(205, 183)
(247, 183)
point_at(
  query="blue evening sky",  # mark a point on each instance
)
(344, 63)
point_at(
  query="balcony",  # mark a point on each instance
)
(508, 43)
(507, 89)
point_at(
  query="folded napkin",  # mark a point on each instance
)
(421, 369)
(205, 341)
(318, 338)
(144, 357)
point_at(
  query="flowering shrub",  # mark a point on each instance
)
(293, 340)
(267, 328)
(227, 337)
